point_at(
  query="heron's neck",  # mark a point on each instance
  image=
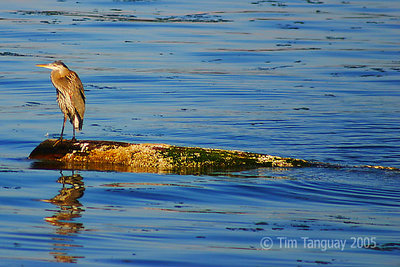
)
(60, 73)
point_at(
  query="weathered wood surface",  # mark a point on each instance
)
(128, 157)
(119, 156)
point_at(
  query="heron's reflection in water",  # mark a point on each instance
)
(68, 210)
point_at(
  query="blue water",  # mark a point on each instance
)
(317, 80)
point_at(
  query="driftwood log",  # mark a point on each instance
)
(159, 158)
(120, 156)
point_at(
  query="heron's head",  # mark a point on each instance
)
(56, 65)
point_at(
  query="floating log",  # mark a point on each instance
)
(159, 158)
(120, 156)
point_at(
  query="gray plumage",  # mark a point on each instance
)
(70, 94)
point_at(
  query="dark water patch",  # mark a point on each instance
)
(271, 2)
(12, 54)
(385, 247)
(99, 87)
(194, 18)
(117, 16)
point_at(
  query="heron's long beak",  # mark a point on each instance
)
(47, 66)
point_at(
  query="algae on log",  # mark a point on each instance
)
(120, 156)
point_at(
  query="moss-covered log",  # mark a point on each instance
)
(119, 156)
(127, 157)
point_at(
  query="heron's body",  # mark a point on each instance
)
(70, 94)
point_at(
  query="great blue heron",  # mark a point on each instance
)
(70, 94)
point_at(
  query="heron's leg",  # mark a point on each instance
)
(62, 130)
(73, 131)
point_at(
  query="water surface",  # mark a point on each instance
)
(317, 80)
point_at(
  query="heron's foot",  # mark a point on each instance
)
(74, 139)
(59, 141)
